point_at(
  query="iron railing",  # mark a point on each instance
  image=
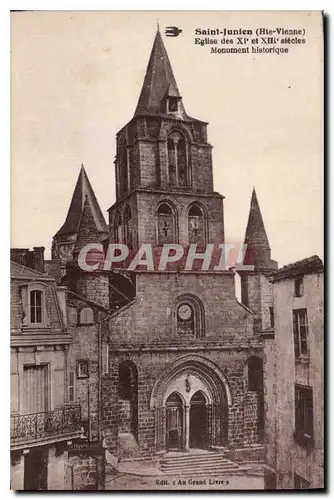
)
(64, 421)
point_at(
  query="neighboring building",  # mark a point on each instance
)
(294, 374)
(43, 420)
(185, 365)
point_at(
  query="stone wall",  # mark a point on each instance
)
(242, 422)
(86, 469)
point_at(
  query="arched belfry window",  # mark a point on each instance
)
(196, 224)
(118, 228)
(123, 168)
(177, 159)
(128, 226)
(189, 317)
(166, 224)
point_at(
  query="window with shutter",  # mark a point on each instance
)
(300, 333)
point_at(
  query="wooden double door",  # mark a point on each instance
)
(182, 430)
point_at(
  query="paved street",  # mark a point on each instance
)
(131, 482)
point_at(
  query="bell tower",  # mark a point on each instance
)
(164, 182)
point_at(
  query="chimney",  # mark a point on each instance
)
(39, 259)
(19, 255)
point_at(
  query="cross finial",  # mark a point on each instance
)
(158, 25)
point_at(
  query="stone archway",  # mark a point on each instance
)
(187, 376)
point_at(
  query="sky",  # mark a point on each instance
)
(75, 81)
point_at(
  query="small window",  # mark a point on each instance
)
(300, 483)
(272, 317)
(36, 297)
(303, 415)
(86, 316)
(71, 395)
(300, 333)
(82, 368)
(299, 287)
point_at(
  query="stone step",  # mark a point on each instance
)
(206, 472)
(193, 458)
(193, 463)
(202, 468)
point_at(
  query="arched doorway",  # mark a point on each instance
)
(185, 377)
(174, 422)
(198, 428)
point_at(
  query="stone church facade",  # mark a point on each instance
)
(185, 362)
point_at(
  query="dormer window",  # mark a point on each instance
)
(172, 104)
(36, 306)
(34, 312)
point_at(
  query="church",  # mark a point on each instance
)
(179, 360)
(185, 357)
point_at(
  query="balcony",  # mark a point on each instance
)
(46, 427)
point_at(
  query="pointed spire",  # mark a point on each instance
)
(255, 233)
(258, 249)
(82, 190)
(87, 230)
(158, 79)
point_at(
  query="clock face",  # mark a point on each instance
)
(184, 312)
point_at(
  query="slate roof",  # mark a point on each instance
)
(82, 190)
(256, 235)
(310, 265)
(159, 81)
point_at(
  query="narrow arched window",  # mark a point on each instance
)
(182, 162)
(86, 316)
(118, 228)
(127, 226)
(177, 160)
(36, 306)
(171, 162)
(196, 224)
(127, 374)
(166, 224)
(123, 167)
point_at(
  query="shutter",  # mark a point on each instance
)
(35, 389)
(296, 333)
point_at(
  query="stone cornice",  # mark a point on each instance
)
(183, 348)
(36, 339)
